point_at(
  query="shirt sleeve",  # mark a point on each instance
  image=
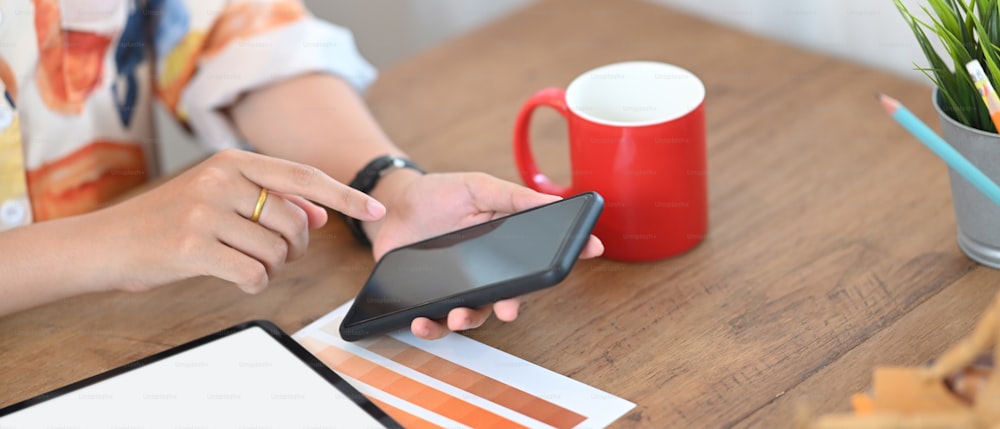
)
(211, 52)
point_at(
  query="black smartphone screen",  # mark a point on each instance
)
(527, 245)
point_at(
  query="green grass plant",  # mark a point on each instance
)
(967, 30)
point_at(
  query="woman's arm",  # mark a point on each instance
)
(49, 261)
(196, 224)
(319, 119)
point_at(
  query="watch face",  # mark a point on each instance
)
(366, 180)
(368, 177)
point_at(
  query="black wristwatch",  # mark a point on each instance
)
(367, 179)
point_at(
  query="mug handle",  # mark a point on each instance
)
(526, 166)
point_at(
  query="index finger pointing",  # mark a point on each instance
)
(290, 177)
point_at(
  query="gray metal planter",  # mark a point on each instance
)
(978, 218)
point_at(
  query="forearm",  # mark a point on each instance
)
(316, 119)
(49, 261)
(319, 119)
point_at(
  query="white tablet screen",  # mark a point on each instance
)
(243, 380)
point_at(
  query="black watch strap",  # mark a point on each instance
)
(367, 179)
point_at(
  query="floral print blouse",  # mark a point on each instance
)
(79, 77)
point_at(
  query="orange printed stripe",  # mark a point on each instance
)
(476, 383)
(404, 418)
(86, 179)
(406, 388)
(243, 20)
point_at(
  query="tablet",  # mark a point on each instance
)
(250, 375)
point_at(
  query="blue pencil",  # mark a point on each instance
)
(940, 147)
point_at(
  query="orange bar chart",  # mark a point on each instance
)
(457, 381)
(476, 383)
(406, 388)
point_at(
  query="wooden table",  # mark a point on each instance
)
(831, 247)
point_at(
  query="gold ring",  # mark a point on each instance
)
(260, 205)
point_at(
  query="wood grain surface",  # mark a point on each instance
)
(831, 246)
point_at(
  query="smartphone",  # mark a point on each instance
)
(474, 266)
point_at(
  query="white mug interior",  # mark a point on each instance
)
(635, 93)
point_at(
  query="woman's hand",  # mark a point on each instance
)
(422, 206)
(199, 222)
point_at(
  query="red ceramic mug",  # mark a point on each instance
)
(637, 137)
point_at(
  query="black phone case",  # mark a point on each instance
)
(562, 264)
